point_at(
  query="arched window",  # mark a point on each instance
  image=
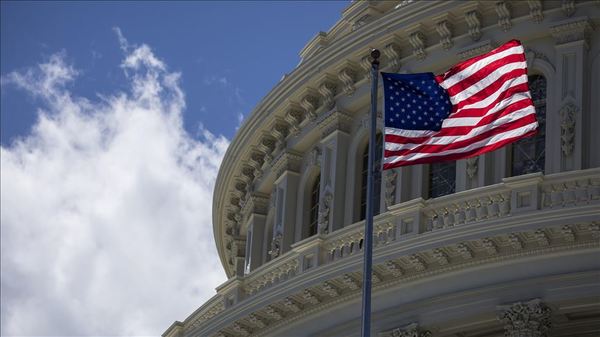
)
(376, 178)
(442, 178)
(528, 155)
(314, 207)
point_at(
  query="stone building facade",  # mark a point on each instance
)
(504, 244)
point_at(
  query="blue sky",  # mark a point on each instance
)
(115, 117)
(230, 53)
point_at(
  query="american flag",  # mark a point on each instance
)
(477, 106)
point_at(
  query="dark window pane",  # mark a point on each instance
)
(529, 154)
(442, 179)
(314, 207)
(376, 178)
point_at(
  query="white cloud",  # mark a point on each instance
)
(106, 207)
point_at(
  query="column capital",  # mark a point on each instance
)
(571, 30)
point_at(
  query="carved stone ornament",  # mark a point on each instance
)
(347, 75)
(391, 51)
(328, 90)
(503, 11)
(472, 166)
(293, 117)
(411, 330)
(390, 187)
(535, 10)
(567, 128)
(417, 41)
(365, 65)
(532, 318)
(474, 23)
(334, 121)
(574, 29)
(310, 103)
(324, 212)
(286, 161)
(475, 49)
(444, 29)
(568, 7)
(275, 246)
(314, 157)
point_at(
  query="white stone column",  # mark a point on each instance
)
(334, 148)
(419, 183)
(568, 123)
(286, 167)
(254, 212)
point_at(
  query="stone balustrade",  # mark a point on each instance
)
(514, 196)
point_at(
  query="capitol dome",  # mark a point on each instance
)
(503, 244)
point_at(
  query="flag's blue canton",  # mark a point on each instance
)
(414, 101)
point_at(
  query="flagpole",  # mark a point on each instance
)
(368, 237)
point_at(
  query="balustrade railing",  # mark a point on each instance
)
(517, 194)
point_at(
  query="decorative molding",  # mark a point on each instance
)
(256, 321)
(575, 29)
(366, 66)
(347, 75)
(391, 50)
(503, 11)
(532, 318)
(275, 246)
(568, 7)
(473, 19)
(240, 330)
(294, 116)
(314, 157)
(309, 297)
(324, 211)
(310, 103)
(443, 27)
(441, 257)
(291, 305)
(286, 161)
(319, 42)
(490, 247)
(336, 120)
(328, 90)
(568, 233)
(475, 49)
(472, 166)
(267, 145)
(418, 42)
(542, 237)
(272, 313)
(531, 55)
(350, 282)
(417, 262)
(280, 131)
(394, 269)
(256, 203)
(515, 241)
(536, 12)
(390, 187)
(257, 160)
(411, 330)
(567, 128)
(464, 251)
(330, 289)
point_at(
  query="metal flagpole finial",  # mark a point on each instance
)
(375, 53)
